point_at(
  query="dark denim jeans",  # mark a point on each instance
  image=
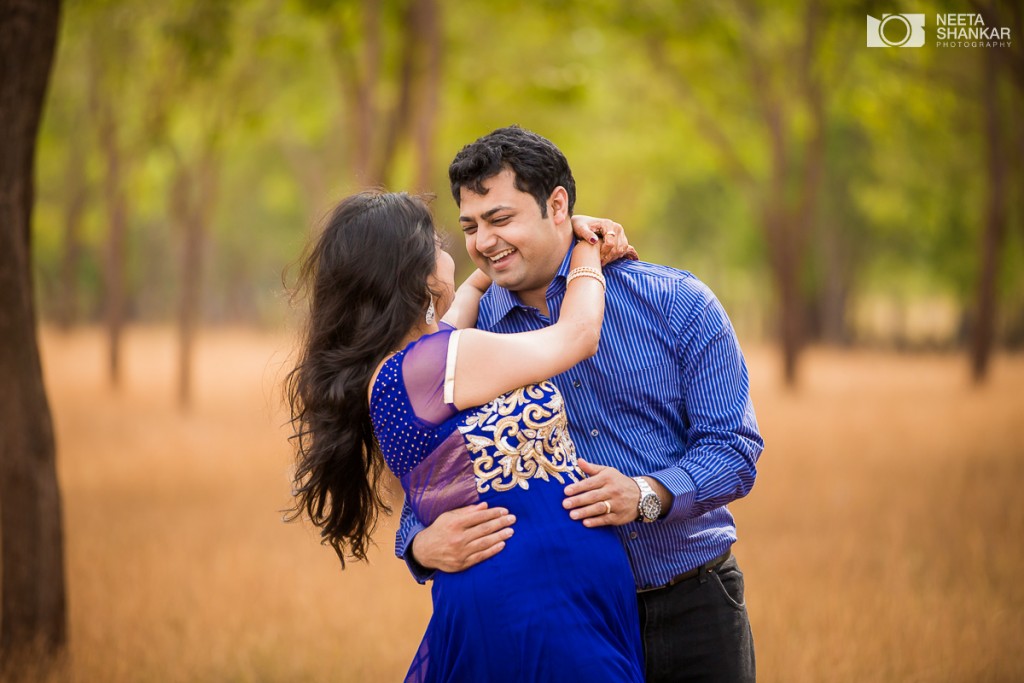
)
(698, 630)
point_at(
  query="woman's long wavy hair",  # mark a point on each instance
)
(365, 279)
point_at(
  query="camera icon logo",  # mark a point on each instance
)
(896, 30)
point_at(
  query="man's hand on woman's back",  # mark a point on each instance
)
(461, 538)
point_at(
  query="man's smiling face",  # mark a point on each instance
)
(510, 241)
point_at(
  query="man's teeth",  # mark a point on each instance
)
(497, 257)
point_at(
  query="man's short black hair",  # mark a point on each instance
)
(538, 165)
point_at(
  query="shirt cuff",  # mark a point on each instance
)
(418, 571)
(683, 490)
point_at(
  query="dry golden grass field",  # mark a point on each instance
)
(883, 541)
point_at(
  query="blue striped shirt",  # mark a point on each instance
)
(667, 395)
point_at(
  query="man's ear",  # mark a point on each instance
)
(558, 205)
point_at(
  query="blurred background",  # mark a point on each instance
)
(817, 184)
(857, 210)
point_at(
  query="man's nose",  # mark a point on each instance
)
(486, 238)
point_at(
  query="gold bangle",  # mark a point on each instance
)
(576, 272)
(585, 269)
(586, 272)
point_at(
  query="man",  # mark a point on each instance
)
(662, 413)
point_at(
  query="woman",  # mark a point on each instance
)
(459, 416)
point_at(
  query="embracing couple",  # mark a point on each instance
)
(567, 498)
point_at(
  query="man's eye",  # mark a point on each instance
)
(501, 220)
(469, 229)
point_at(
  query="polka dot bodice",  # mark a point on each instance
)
(404, 438)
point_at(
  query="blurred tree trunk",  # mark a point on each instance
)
(191, 207)
(428, 17)
(983, 331)
(33, 613)
(834, 297)
(395, 122)
(788, 203)
(358, 75)
(790, 224)
(378, 124)
(1006, 13)
(117, 230)
(363, 90)
(182, 217)
(76, 199)
(198, 89)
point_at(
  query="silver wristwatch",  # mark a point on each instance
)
(649, 508)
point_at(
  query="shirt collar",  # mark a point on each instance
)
(563, 270)
(498, 301)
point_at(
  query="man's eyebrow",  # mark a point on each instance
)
(486, 215)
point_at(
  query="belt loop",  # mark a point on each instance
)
(712, 565)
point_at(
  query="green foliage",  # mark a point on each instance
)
(634, 92)
(200, 33)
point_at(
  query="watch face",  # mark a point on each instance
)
(650, 506)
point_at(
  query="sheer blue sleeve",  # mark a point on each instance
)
(427, 369)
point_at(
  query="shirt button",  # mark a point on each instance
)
(594, 432)
(632, 535)
(577, 384)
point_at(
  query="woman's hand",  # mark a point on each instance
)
(587, 254)
(611, 235)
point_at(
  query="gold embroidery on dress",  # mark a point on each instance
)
(521, 435)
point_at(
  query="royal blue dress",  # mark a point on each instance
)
(558, 603)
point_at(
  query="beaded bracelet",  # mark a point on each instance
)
(585, 272)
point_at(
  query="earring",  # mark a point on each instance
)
(430, 312)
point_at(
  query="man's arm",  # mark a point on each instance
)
(722, 438)
(456, 540)
(408, 528)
